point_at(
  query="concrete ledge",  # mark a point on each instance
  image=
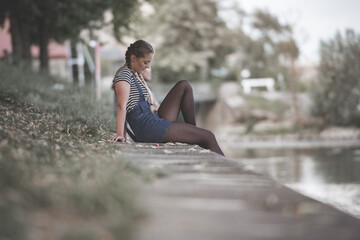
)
(206, 196)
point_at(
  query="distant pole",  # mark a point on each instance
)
(69, 61)
(80, 64)
(293, 81)
(293, 91)
(97, 71)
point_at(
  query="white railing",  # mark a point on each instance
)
(250, 83)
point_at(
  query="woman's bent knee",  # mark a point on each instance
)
(184, 84)
(209, 137)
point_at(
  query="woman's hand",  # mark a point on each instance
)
(118, 139)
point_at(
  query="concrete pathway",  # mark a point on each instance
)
(201, 195)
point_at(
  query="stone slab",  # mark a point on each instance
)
(203, 195)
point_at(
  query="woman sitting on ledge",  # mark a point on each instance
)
(135, 106)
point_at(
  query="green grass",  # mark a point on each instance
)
(60, 178)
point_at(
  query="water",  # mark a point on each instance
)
(328, 175)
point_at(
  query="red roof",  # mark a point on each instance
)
(56, 50)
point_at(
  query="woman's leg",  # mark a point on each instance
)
(179, 98)
(187, 133)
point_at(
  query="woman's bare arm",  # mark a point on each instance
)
(122, 90)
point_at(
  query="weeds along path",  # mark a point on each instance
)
(60, 178)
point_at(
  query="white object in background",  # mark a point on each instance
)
(248, 84)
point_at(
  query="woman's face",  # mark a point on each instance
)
(140, 64)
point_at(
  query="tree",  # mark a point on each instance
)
(269, 46)
(38, 21)
(21, 19)
(189, 36)
(270, 50)
(337, 94)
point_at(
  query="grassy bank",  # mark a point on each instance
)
(60, 178)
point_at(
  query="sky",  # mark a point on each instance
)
(314, 20)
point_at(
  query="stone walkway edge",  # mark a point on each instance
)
(203, 195)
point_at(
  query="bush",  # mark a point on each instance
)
(337, 94)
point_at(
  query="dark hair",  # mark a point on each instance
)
(139, 49)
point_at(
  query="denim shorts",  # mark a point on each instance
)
(145, 126)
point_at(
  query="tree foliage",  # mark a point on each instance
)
(189, 36)
(38, 21)
(337, 95)
(268, 47)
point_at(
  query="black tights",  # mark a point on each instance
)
(181, 98)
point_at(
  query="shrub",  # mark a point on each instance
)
(337, 94)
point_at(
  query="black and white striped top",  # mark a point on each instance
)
(125, 74)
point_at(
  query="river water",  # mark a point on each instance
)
(330, 175)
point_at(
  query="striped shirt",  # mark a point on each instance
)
(125, 74)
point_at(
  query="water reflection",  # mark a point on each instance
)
(330, 175)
